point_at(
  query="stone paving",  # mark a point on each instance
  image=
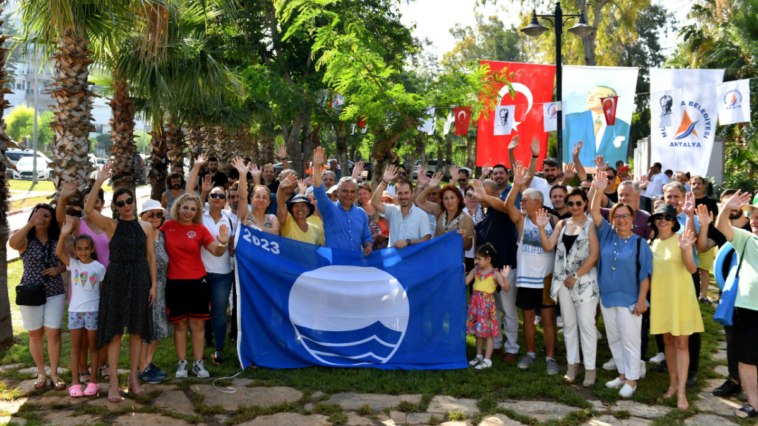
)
(199, 403)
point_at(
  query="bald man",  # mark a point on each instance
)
(590, 127)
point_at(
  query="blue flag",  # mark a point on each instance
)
(302, 305)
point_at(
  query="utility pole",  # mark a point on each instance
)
(35, 180)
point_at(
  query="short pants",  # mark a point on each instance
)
(77, 320)
(530, 298)
(49, 315)
(188, 299)
(706, 259)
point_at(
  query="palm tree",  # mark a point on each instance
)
(6, 324)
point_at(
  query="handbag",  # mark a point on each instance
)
(725, 310)
(34, 294)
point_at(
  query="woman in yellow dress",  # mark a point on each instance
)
(674, 309)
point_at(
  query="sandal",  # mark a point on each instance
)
(589, 378)
(84, 381)
(75, 391)
(141, 391)
(58, 383)
(749, 410)
(104, 376)
(92, 389)
(41, 382)
(571, 372)
(112, 398)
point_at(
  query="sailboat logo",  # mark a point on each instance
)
(734, 101)
(687, 127)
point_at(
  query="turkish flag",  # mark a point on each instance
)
(609, 109)
(533, 85)
(462, 120)
(362, 122)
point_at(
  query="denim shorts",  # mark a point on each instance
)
(77, 320)
(49, 315)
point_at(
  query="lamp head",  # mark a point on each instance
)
(582, 28)
(534, 29)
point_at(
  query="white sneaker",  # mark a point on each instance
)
(559, 322)
(658, 358)
(181, 369)
(615, 383)
(476, 360)
(199, 370)
(610, 365)
(537, 320)
(627, 391)
(643, 369)
(486, 363)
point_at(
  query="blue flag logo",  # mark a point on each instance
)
(302, 305)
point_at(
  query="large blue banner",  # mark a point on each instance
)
(302, 305)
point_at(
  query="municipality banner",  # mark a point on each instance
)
(733, 100)
(690, 97)
(302, 305)
(584, 88)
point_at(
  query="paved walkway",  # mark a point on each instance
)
(21, 194)
(253, 404)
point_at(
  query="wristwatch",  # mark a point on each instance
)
(223, 244)
(408, 241)
(574, 276)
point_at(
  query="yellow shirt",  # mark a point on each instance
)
(486, 285)
(314, 235)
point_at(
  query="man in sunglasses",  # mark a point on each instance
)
(461, 177)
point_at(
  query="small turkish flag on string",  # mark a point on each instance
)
(462, 120)
(609, 109)
(362, 122)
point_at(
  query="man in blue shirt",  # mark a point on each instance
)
(345, 224)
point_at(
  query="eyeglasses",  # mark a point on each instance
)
(575, 203)
(666, 217)
(470, 195)
(462, 180)
(219, 196)
(157, 215)
(128, 202)
(622, 216)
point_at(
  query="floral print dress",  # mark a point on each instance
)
(585, 289)
(482, 318)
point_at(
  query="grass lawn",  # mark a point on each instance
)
(502, 382)
(41, 186)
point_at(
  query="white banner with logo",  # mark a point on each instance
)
(734, 102)
(427, 126)
(686, 144)
(550, 116)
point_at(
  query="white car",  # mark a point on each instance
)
(25, 168)
(98, 163)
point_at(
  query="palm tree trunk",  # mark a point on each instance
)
(223, 145)
(448, 155)
(73, 112)
(159, 163)
(267, 150)
(382, 150)
(195, 139)
(6, 322)
(122, 136)
(469, 153)
(177, 146)
(249, 146)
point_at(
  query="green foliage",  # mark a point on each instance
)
(489, 40)
(20, 123)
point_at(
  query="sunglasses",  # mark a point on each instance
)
(575, 203)
(622, 216)
(402, 174)
(462, 180)
(218, 196)
(470, 195)
(128, 202)
(151, 215)
(611, 177)
(666, 217)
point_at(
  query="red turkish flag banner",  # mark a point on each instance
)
(533, 85)
(462, 120)
(362, 122)
(609, 109)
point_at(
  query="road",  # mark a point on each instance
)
(17, 221)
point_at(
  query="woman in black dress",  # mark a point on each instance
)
(129, 286)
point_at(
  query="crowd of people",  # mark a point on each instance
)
(637, 252)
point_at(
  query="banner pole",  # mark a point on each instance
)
(558, 26)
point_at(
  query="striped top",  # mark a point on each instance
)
(534, 263)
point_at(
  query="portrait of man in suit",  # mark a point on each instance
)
(590, 127)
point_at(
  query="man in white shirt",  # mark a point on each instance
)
(654, 186)
(408, 224)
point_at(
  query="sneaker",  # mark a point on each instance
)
(729, 388)
(660, 368)
(199, 370)
(486, 363)
(476, 360)
(643, 369)
(157, 370)
(149, 376)
(627, 391)
(181, 369)
(615, 383)
(691, 379)
(658, 358)
(526, 362)
(218, 357)
(610, 365)
(705, 300)
(552, 367)
(559, 322)
(537, 320)
(599, 335)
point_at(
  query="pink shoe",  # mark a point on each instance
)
(75, 391)
(92, 389)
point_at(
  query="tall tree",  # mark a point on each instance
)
(488, 40)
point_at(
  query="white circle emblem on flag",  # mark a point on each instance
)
(349, 315)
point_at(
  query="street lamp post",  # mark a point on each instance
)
(535, 29)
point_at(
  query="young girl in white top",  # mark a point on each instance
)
(86, 275)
